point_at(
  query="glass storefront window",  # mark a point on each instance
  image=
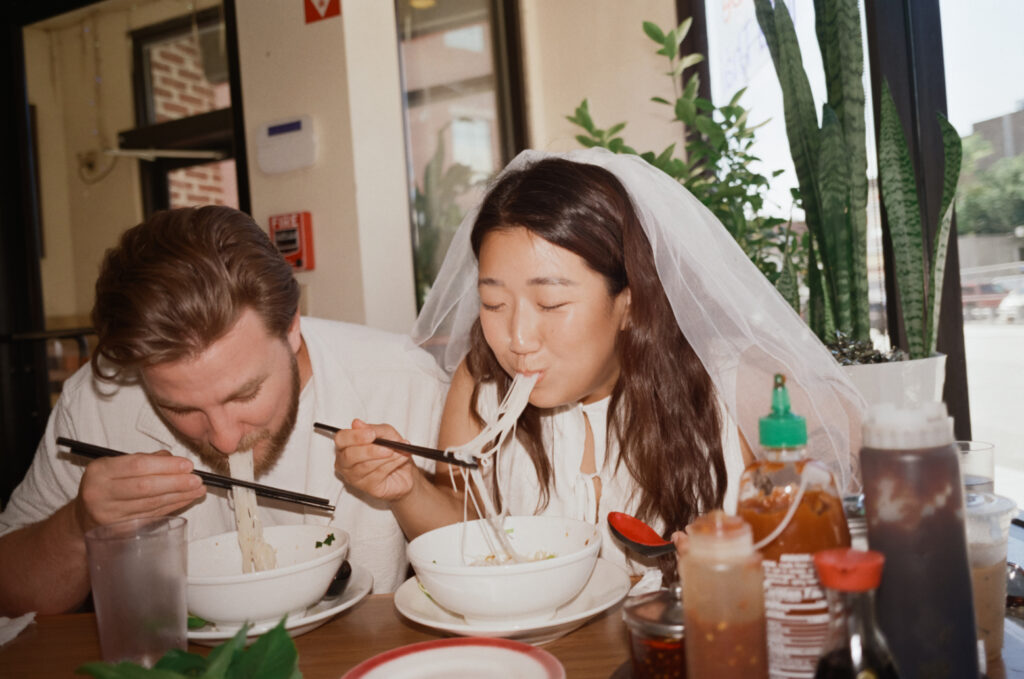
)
(739, 58)
(207, 184)
(454, 125)
(984, 58)
(185, 74)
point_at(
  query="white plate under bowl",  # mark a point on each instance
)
(359, 585)
(476, 658)
(607, 586)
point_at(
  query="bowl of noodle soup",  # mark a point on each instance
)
(220, 592)
(465, 569)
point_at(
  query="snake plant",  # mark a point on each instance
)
(920, 290)
(830, 160)
(831, 165)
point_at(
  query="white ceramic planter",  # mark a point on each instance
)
(902, 383)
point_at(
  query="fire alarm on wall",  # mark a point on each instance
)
(292, 234)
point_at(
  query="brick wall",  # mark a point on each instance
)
(180, 89)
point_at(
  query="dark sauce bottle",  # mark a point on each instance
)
(914, 504)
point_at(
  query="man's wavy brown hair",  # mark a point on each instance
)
(179, 281)
(663, 412)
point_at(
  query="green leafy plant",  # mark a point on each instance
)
(920, 285)
(830, 160)
(272, 656)
(830, 163)
(716, 165)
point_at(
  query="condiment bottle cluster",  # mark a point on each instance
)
(777, 591)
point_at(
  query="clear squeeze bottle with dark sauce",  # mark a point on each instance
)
(794, 510)
(914, 506)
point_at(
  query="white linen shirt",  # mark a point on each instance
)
(359, 372)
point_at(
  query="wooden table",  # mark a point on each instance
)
(56, 644)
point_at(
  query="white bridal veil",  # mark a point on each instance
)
(740, 326)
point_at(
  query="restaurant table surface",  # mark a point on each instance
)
(56, 644)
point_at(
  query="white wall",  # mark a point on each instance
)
(596, 49)
(343, 71)
(78, 69)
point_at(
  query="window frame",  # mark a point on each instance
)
(220, 130)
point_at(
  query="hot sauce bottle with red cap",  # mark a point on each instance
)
(855, 648)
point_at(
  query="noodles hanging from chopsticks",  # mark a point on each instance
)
(256, 553)
(483, 447)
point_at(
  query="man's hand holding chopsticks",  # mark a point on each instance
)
(135, 486)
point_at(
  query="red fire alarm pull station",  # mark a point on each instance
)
(292, 234)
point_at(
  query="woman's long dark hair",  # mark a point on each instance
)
(663, 410)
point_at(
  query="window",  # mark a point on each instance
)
(739, 58)
(985, 97)
(183, 109)
(460, 129)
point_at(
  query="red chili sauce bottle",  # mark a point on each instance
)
(723, 600)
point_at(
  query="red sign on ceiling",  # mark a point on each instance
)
(321, 9)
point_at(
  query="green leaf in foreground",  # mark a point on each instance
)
(272, 656)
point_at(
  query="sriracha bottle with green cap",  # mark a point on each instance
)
(794, 508)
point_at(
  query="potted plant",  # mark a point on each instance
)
(715, 164)
(831, 171)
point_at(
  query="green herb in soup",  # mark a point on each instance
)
(326, 541)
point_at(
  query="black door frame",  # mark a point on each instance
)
(24, 379)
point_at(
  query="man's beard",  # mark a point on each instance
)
(276, 441)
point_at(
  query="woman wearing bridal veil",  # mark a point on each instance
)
(655, 338)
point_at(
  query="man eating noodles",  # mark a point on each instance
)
(201, 354)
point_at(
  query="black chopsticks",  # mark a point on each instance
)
(93, 451)
(432, 453)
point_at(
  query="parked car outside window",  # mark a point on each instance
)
(980, 300)
(1011, 308)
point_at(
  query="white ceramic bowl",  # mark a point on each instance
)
(517, 593)
(218, 591)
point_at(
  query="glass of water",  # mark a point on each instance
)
(977, 466)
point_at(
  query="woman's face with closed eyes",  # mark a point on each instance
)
(544, 310)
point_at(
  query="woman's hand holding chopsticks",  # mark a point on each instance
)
(364, 459)
(375, 470)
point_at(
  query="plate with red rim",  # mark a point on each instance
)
(458, 658)
(608, 585)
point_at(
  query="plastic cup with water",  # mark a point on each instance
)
(977, 466)
(139, 574)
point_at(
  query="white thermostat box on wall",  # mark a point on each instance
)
(285, 145)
